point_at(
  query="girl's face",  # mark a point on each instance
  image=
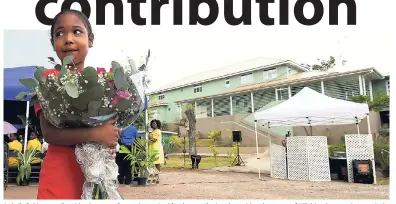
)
(71, 37)
(33, 136)
(154, 125)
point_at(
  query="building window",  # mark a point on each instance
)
(270, 74)
(283, 93)
(161, 97)
(387, 83)
(245, 79)
(197, 89)
(154, 114)
(349, 94)
(227, 83)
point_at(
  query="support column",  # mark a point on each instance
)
(180, 111)
(289, 90)
(360, 85)
(276, 94)
(212, 108)
(231, 112)
(322, 86)
(252, 101)
(368, 124)
(364, 86)
(371, 90)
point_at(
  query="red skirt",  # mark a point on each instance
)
(61, 176)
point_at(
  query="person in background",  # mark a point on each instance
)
(127, 138)
(14, 144)
(155, 142)
(34, 144)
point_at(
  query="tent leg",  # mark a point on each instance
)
(27, 126)
(373, 162)
(257, 149)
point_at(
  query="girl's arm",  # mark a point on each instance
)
(106, 134)
(154, 136)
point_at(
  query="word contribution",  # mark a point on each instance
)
(194, 17)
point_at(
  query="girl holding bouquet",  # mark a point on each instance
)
(61, 176)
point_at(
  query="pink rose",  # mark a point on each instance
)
(121, 95)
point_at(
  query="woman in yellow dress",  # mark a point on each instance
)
(156, 142)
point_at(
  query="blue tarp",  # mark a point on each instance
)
(12, 86)
(18, 126)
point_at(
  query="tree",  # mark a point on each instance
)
(189, 121)
(324, 65)
(380, 102)
(190, 114)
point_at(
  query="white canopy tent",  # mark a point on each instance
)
(309, 108)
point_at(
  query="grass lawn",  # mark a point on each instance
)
(206, 162)
(383, 181)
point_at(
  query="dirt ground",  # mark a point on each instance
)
(200, 184)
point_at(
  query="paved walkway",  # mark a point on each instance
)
(206, 184)
(249, 158)
(252, 164)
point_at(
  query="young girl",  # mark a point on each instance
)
(61, 176)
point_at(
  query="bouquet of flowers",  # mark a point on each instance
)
(73, 99)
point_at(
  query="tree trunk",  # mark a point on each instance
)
(191, 131)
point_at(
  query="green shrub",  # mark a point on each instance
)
(337, 148)
(381, 158)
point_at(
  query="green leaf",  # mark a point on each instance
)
(22, 171)
(115, 65)
(62, 73)
(91, 75)
(106, 111)
(28, 171)
(58, 67)
(93, 94)
(93, 108)
(68, 59)
(22, 95)
(119, 78)
(29, 83)
(109, 90)
(18, 179)
(38, 74)
(51, 59)
(33, 100)
(55, 103)
(142, 68)
(72, 90)
(123, 105)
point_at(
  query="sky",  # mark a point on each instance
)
(179, 51)
(176, 55)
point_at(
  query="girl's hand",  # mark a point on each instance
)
(107, 134)
(112, 152)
